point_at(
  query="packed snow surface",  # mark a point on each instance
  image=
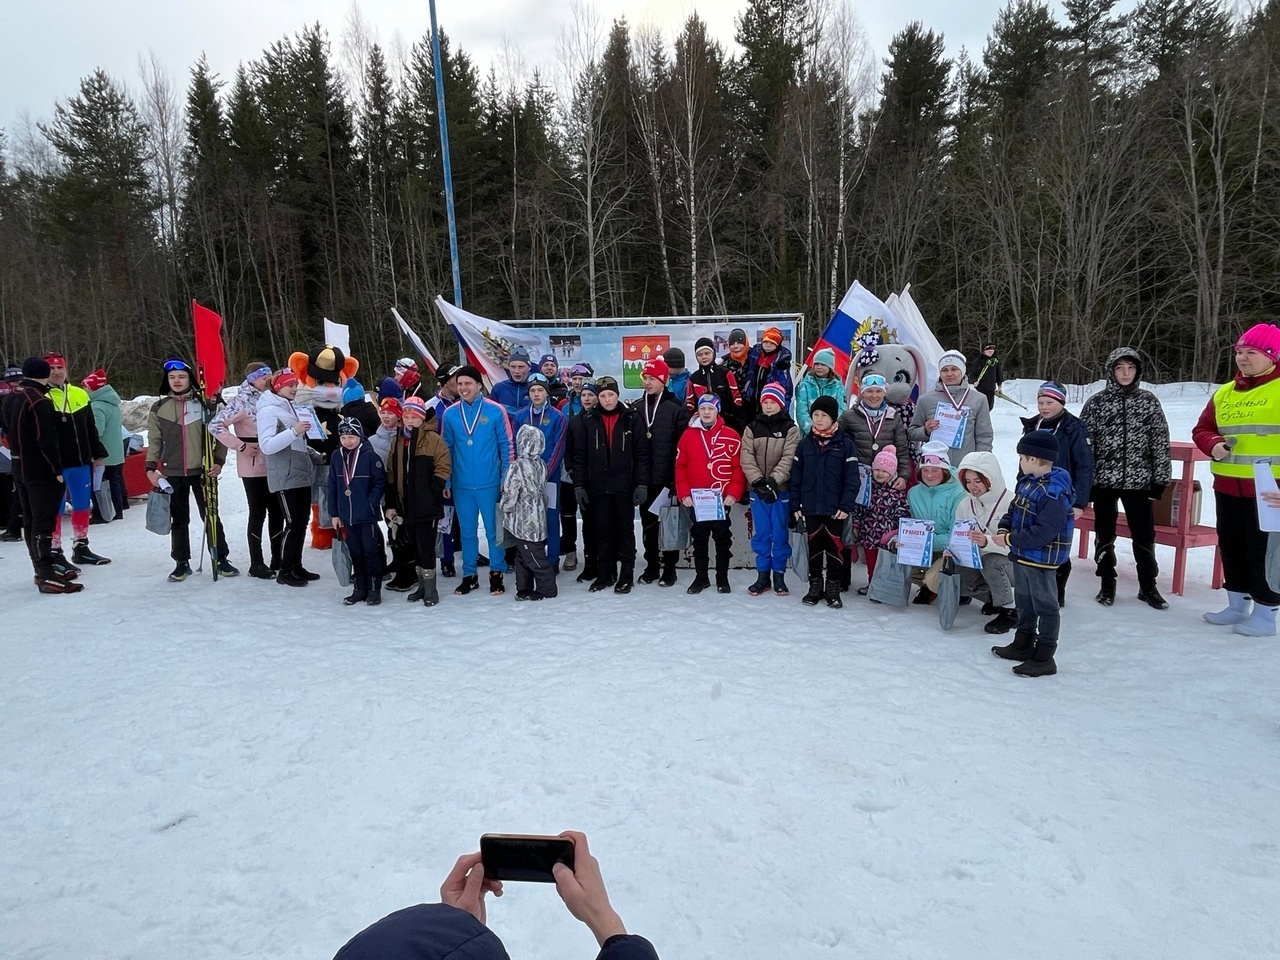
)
(241, 769)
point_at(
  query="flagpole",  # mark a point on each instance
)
(444, 152)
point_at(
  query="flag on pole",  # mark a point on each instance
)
(859, 305)
(913, 331)
(487, 343)
(416, 341)
(337, 335)
(211, 357)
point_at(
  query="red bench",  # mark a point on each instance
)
(1181, 537)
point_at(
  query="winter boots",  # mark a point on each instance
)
(1149, 595)
(1261, 624)
(496, 588)
(833, 594)
(289, 578)
(1239, 609)
(816, 591)
(624, 579)
(1020, 649)
(375, 592)
(780, 584)
(260, 571)
(180, 572)
(668, 578)
(570, 562)
(359, 591)
(1006, 619)
(924, 597)
(1107, 592)
(82, 555)
(761, 585)
(465, 586)
(650, 575)
(225, 569)
(428, 587)
(1040, 663)
(700, 582)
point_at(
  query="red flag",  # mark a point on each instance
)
(211, 357)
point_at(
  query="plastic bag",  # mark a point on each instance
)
(158, 519)
(341, 557)
(106, 502)
(674, 528)
(800, 552)
(891, 583)
(948, 599)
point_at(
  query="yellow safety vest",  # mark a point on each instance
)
(68, 398)
(1252, 419)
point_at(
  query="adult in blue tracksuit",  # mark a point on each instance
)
(513, 393)
(456, 928)
(479, 436)
(555, 428)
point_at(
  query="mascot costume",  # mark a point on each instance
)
(324, 373)
(902, 366)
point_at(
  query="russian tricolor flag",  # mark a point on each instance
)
(858, 304)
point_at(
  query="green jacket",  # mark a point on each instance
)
(106, 414)
(175, 437)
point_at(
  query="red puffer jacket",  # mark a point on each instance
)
(709, 458)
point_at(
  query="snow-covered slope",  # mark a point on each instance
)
(240, 769)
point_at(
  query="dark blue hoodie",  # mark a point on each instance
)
(436, 931)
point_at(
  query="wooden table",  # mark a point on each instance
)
(1184, 535)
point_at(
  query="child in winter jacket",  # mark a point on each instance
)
(820, 381)
(708, 458)
(877, 523)
(1037, 530)
(768, 449)
(423, 471)
(357, 481)
(524, 512)
(935, 498)
(1075, 454)
(824, 490)
(986, 502)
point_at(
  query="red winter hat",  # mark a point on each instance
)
(95, 381)
(392, 405)
(658, 369)
(1263, 337)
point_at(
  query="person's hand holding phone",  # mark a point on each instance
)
(582, 890)
(466, 886)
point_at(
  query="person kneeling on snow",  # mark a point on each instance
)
(524, 513)
(456, 928)
(988, 499)
(357, 479)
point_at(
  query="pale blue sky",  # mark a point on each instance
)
(45, 48)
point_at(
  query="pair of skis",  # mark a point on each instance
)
(211, 372)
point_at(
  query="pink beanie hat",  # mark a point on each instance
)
(1263, 337)
(886, 460)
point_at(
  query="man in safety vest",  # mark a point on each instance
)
(1239, 429)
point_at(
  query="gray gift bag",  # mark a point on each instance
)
(341, 557)
(800, 552)
(106, 503)
(158, 520)
(674, 528)
(1273, 561)
(948, 599)
(892, 581)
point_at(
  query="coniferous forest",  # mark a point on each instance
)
(1079, 183)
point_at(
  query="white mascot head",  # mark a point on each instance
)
(902, 366)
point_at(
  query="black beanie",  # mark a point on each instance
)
(827, 405)
(467, 370)
(674, 357)
(35, 368)
(738, 335)
(1040, 443)
(702, 342)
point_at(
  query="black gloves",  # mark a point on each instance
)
(1156, 491)
(766, 489)
(640, 496)
(581, 495)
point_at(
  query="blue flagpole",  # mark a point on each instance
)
(444, 152)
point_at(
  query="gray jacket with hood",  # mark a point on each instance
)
(524, 493)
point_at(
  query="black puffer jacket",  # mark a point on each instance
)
(1129, 432)
(657, 440)
(605, 462)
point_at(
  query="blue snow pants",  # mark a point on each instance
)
(771, 540)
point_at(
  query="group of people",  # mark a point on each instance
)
(545, 448)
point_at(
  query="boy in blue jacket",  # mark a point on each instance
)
(1037, 530)
(357, 480)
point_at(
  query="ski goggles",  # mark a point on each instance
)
(263, 371)
(176, 365)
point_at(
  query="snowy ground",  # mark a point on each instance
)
(238, 769)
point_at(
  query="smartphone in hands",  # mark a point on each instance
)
(521, 857)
